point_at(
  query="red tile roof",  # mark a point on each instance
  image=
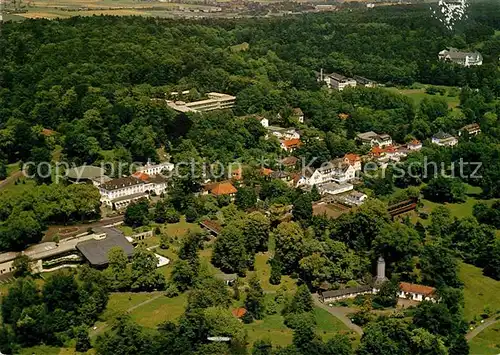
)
(141, 176)
(291, 143)
(289, 161)
(48, 132)
(418, 289)
(377, 151)
(239, 312)
(352, 158)
(223, 188)
(415, 142)
(266, 171)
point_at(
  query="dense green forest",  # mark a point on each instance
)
(91, 79)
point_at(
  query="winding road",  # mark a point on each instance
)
(469, 336)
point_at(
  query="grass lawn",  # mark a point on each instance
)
(479, 291)
(459, 210)
(487, 342)
(159, 310)
(119, 302)
(272, 327)
(419, 94)
(46, 350)
(22, 186)
(263, 270)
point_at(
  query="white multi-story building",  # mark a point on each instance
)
(338, 81)
(283, 133)
(119, 193)
(155, 169)
(334, 171)
(215, 101)
(465, 59)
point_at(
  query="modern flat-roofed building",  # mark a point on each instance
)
(95, 251)
(338, 81)
(215, 101)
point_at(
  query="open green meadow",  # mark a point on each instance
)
(418, 94)
(480, 292)
(487, 342)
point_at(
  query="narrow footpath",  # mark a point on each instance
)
(338, 312)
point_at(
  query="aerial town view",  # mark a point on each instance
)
(250, 177)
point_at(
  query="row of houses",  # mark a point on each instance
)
(407, 290)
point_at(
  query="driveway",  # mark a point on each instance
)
(469, 336)
(340, 313)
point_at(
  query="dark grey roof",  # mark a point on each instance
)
(362, 80)
(119, 183)
(338, 77)
(442, 135)
(345, 291)
(85, 172)
(96, 250)
(130, 197)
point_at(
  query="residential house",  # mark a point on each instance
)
(289, 145)
(354, 160)
(290, 161)
(472, 129)
(465, 59)
(374, 139)
(283, 133)
(367, 83)
(334, 171)
(224, 188)
(355, 198)
(298, 114)
(283, 176)
(414, 145)
(444, 139)
(416, 292)
(338, 81)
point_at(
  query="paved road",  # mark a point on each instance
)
(340, 313)
(11, 178)
(469, 336)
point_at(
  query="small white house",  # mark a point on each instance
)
(416, 292)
